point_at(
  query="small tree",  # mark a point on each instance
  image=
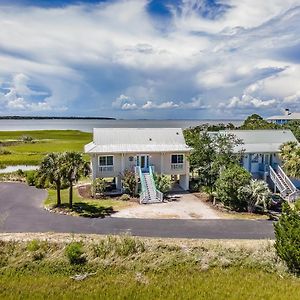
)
(287, 233)
(99, 186)
(74, 166)
(162, 183)
(256, 193)
(229, 184)
(129, 182)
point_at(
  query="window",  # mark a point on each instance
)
(106, 160)
(254, 158)
(177, 159)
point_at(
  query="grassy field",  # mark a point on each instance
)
(44, 141)
(87, 207)
(130, 268)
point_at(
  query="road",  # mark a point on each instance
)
(21, 210)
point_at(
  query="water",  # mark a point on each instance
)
(10, 169)
(88, 125)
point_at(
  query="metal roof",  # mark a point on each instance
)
(137, 140)
(261, 141)
(290, 116)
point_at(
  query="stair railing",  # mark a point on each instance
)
(159, 194)
(143, 193)
(277, 181)
(286, 179)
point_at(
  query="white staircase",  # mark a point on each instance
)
(149, 193)
(283, 184)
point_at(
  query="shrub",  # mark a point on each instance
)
(129, 182)
(20, 173)
(4, 152)
(287, 233)
(128, 246)
(163, 183)
(31, 177)
(228, 184)
(99, 186)
(26, 139)
(125, 197)
(33, 245)
(74, 253)
(297, 204)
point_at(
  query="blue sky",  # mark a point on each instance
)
(184, 59)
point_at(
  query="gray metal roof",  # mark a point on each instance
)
(290, 116)
(261, 141)
(137, 140)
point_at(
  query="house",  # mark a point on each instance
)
(283, 119)
(261, 158)
(143, 150)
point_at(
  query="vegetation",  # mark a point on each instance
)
(74, 253)
(290, 154)
(22, 152)
(132, 268)
(162, 183)
(85, 207)
(256, 194)
(287, 232)
(99, 185)
(129, 183)
(229, 184)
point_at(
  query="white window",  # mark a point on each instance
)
(106, 160)
(177, 159)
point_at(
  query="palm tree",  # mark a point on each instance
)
(74, 166)
(256, 193)
(51, 169)
(290, 154)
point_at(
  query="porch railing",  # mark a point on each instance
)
(277, 181)
(177, 166)
(159, 194)
(106, 169)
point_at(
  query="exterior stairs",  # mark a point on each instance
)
(149, 192)
(283, 184)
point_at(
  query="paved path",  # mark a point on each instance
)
(21, 211)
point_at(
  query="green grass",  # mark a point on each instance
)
(131, 268)
(86, 207)
(45, 141)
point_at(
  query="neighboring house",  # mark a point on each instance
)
(283, 119)
(143, 150)
(261, 156)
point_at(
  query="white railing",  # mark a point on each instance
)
(106, 169)
(159, 195)
(177, 166)
(277, 181)
(286, 179)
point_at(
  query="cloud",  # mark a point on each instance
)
(119, 57)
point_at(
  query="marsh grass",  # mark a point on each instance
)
(125, 267)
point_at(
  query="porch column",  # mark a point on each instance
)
(122, 163)
(184, 181)
(94, 166)
(119, 182)
(162, 156)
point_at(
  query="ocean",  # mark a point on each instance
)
(88, 125)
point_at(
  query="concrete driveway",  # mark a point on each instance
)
(21, 211)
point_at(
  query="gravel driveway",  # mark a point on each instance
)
(186, 206)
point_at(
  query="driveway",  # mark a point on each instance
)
(21, 211)
(183, 206)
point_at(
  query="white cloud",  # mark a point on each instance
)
(163, 105)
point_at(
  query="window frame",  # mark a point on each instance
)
(177, 161)
(106, 160)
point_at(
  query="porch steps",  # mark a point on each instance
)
(283, 184)
(150, 190)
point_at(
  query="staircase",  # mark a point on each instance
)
(283, 184)
(149, 193)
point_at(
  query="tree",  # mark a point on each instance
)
(255, 121)
(162, 183)
(129, 182)
(228, 185)
(51, 169)
(287, 233)
(256, 193)
(290, 154)
(74, 166)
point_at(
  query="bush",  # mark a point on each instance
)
(228, 185)
(287, 233)
(125, 197)
(74, 252)
(4, 152)
(33, 245)
(163, 183)
(129, 182)
(26, 139)
(297, 204)
(31, 177)
(99, 186)
(128, 246)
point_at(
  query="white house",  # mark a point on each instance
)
(158, 150)
(285, 118)
(261, 156)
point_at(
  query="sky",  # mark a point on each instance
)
(154, 59)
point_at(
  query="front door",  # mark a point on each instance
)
(143, 162)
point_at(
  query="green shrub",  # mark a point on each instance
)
(129, 182)
(162, 183)
(26, 139)
(20, 173)
(194, 186)
(74, 252)
(99, 186)
(30, 177)
(4, 152)
(128, 246)
(287, 234)
(125, 197)
(33, 245)
(297, 204)
(228, 186)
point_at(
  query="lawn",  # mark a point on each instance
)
(44, 141)
(132, 268)
(86, 207)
